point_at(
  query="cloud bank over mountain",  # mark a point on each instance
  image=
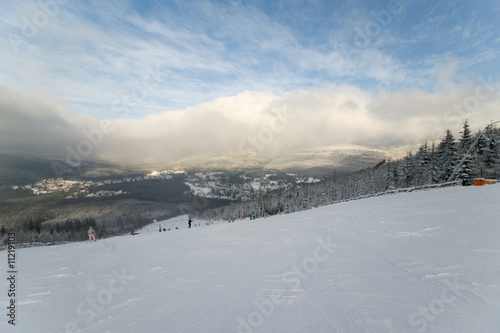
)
(249, 124)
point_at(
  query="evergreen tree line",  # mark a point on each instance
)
(461, 160)
(34, 231)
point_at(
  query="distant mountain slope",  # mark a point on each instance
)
(22, 168)
(339, 157)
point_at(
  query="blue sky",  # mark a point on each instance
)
(134, 59)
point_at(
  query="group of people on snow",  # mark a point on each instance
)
(164, 229)
(92, 233)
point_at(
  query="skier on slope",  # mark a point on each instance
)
(91, 233)
(189, 222)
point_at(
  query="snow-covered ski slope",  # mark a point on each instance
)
(425, 261)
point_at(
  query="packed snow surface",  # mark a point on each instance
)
(425, 261)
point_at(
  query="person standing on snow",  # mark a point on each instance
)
(189, 222)
(91, 233)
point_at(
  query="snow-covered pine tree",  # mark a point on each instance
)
(466, 139)
(433, 165)
(388, 177)
(408, 170)
(395, 176)
(464, 144)
(422, 165)
(465, 172)
(490, 152)
(446, 154)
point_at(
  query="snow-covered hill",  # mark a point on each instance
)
(340, 157)
(424, 261)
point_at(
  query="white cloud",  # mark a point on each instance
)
(102, 50)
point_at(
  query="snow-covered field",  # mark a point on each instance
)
(425, 261)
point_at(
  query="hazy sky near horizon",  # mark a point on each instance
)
(187, 78)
